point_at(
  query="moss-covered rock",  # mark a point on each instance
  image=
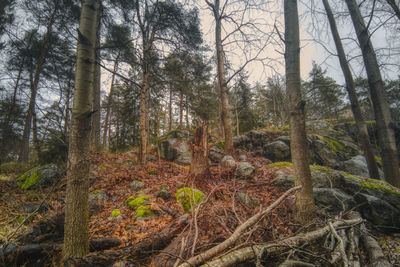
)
(280, 164)
(115, 213)
(39, 176)
(133, 204)
(189, 198)
(143, 211)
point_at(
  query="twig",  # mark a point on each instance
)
(238, 232)
(342, 250)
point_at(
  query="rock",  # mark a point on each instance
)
(241, 141)
(97, 199)
(189, 198)
(228, 162)
(163, 194)
(215, 154)
(284, 139)
(277, 151)
(324, 178)
(29, 207)
(323, 155)
(242, 157)
(136, 185)
(379, 212)
(184, 158)
(358, 166)
(245, 170)
(283, 179)
(334, 200)
(249, 202)
(174, 149)
(39, 176)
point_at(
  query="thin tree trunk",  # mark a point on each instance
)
(66, 116)
(110, 96)
(76, 234)
(24, 154)
(384, 121)
(237, 121)
(181, 110)
(187, 113)
(95, 133)
(222, 86)
(35, 139)
(350, 87)
(170, 109)
(143, 118)
(199, 163)
(299, 148)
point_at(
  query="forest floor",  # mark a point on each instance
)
(216, 220)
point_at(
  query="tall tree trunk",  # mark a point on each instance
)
(199, 163)
(384, 121)
(395, 7)
(76, 233)
(95, 132)
(143, 118)
(35, 138)
(187, 112)
(299, 148)
(237, 121)
(110, 96)
(181, 110)
(170, 109)
(24, 153)
(350, 87)
(222, 86)
(66, 109)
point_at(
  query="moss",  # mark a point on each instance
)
(354, 123)
(115, 213)
(334, 144)
(29, 179)
(286, 128)
(143, 211)
(379, 185)
(378, 160)
(95, 192)
(133, 204)
(129, 199)
(280, 164)
(189, 198)
(152, 172)
(351, 175)
(370, 122)
(321, 168)
(221, 145)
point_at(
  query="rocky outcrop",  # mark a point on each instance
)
(177, 150)
(245, 170)
(376, 200)
(277, 151)
(228, 162)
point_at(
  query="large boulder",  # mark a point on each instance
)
(253, 140)
(215, 154)
(277, 151)
(377, 201)
(175, 149)
(39, 177)
(358, 166)
(323, 154)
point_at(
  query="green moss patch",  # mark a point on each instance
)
(280, 164)
(95, 192)
(321, 168)
(189, 198)
(143, 211)
(115, 213)
(334, 144)
(133, 204)
(29, 179)
(379, 185)
(152, 172)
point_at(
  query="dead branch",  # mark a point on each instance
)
(238, 232)
(340, 253)
(251, 252)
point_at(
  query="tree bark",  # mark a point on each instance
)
(24, 153)
(76, 235)
(110, 96)
(305, 205)
(222, 86)
(143, 117)
(170, 109)
(181, 110)
(384, 121)
(350, 87)
(199, 163)
(95, 131)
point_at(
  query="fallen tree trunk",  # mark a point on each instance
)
(196, 260)
(14, 255)
(252, 252)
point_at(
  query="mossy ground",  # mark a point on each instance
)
(143, 211)
(29, 179)
(133, 204)
(280, 164)
(115, 213)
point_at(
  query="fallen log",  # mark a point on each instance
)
(148, 246)
(20, 255)
(251, 252)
